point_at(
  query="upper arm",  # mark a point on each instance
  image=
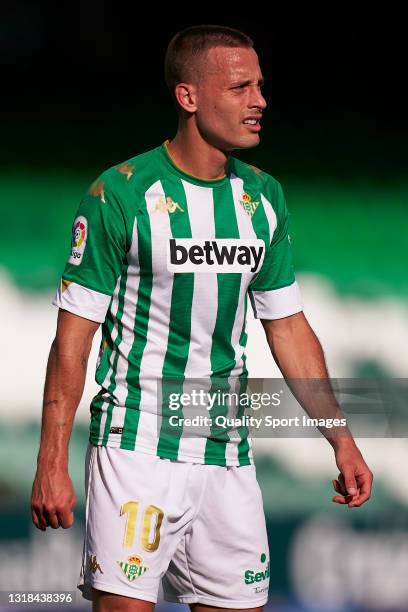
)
(74, 333)
(99, 246)
(285, 325)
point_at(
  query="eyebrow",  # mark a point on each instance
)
(247, 82)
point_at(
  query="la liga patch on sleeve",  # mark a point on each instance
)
(78, 240)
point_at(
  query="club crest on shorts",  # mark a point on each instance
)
(249, 206)
(133, 568)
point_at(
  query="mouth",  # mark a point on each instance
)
(253, 123)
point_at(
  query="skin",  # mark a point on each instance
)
(212, 111)
(211, 114)
(299, 356)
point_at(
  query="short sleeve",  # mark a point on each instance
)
(274, 293)
(98, 250)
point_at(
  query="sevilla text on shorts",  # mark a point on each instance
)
(216, 255)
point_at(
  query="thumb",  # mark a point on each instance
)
(350, 480)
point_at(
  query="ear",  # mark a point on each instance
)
(186, 96)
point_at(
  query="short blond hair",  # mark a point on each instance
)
(188, 48)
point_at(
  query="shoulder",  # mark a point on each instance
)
(125, 178)
(260, 181)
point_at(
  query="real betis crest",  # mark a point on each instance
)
(248, 206)
(133, 568)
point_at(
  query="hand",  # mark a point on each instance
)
(354, 483)
(53, 499)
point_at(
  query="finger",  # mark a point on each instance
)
(349, 480)
(66, 518)
(354, 500)
(343, 498)
(338, 488)
(36, 520)
(365, 492)
(52, 520)
(339, 499)
(41, 519)
(340, 480)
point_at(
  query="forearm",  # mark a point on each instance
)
(299, 356)
(296, 349)
(64, 386)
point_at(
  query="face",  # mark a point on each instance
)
(229, 101)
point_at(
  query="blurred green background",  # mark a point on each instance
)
(90, 95)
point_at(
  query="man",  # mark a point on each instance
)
(166, 248)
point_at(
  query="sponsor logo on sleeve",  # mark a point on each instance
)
(78, 241)
(216, 255)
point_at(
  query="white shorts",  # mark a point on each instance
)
(198, 528)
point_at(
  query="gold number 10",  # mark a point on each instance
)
(131, 509)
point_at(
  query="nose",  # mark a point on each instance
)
(257, 100)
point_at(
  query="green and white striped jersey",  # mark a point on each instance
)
(166, 262)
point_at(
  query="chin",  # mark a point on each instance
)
(247, 143)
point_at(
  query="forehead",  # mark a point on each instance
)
(228, 64)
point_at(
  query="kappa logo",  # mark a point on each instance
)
(133, 568)
(167, 205)
(248, 206)
(78, 240)
(257, 171)
(217, 255)
(65, 284)
(97, 190)
(94, 565)
(126, 169)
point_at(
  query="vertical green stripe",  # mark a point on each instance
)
(118, 340)
(107, 330)
(178, 342)
(243, 432)
(96, 415)
(132, 414)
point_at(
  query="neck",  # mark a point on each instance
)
(195, 156)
